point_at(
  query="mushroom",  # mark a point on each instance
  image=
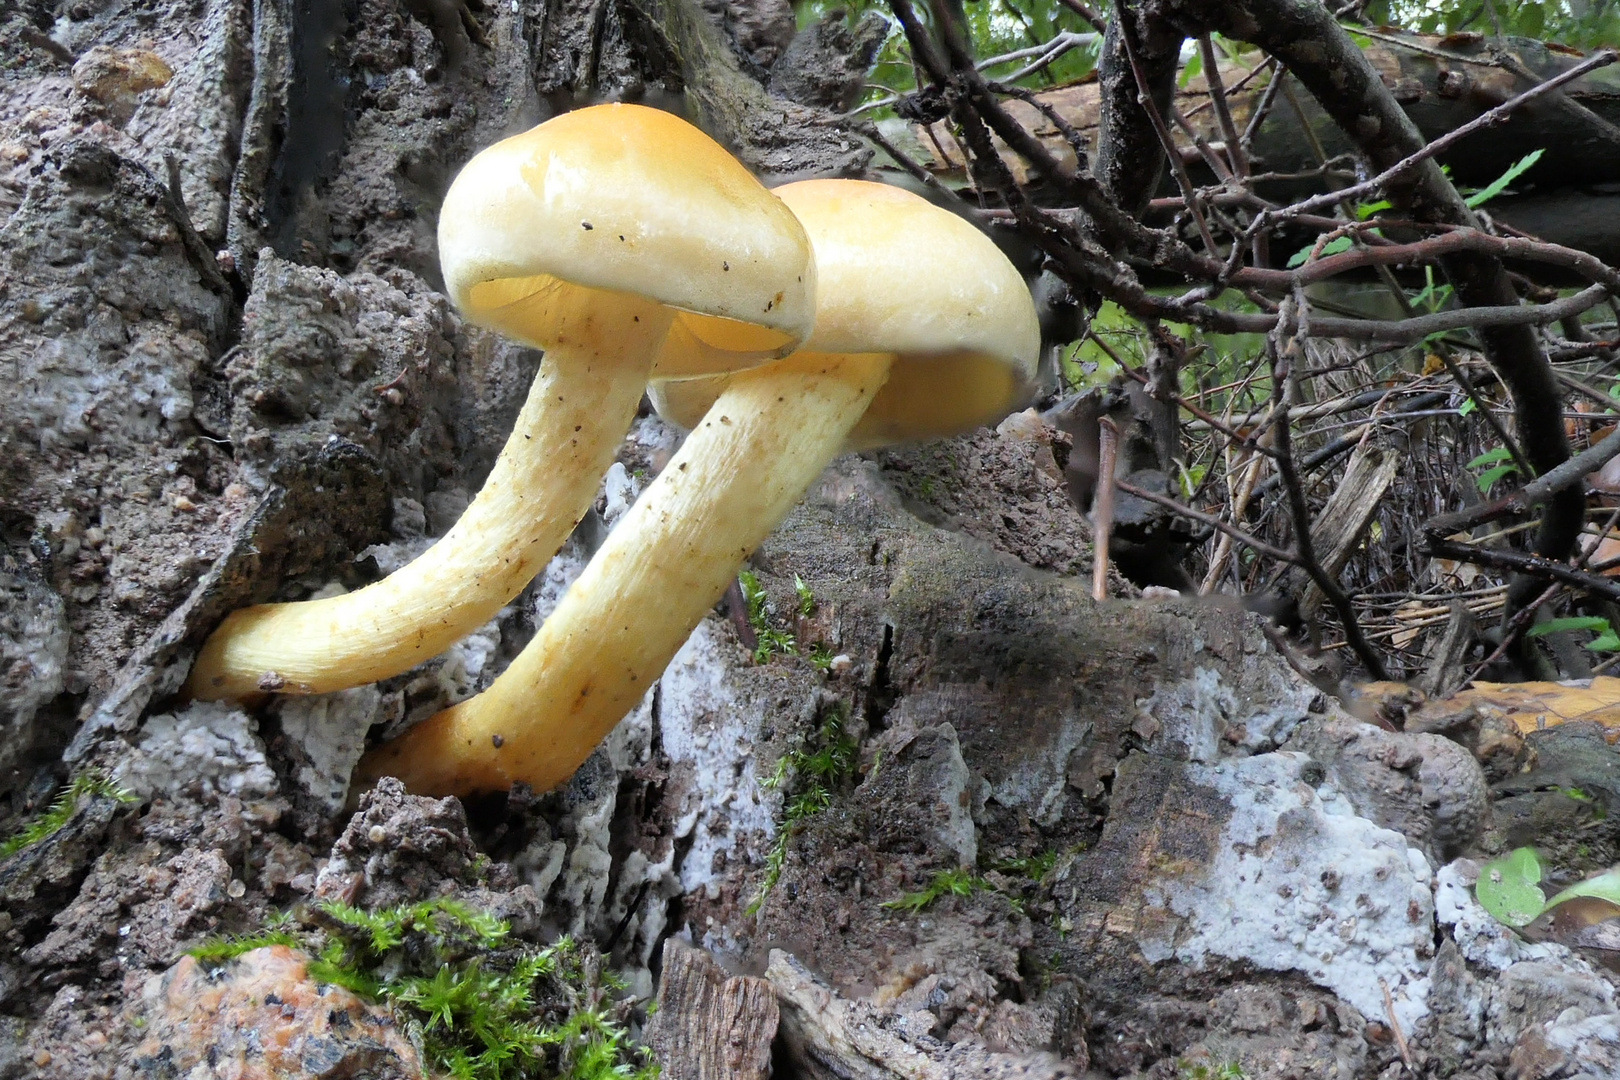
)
(923, 330)
(608, 237)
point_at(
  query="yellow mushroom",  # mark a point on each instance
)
(607, 237)
(923, 329)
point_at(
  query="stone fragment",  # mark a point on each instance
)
(33, 657)
(114, 77)
(1428, 788)
(261, 1017)
(397, 849)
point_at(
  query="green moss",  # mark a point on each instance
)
(1226, 1070)
(817, 771)
(482, 1005)
(807, 599)
(769, 641)
(217, 950)
(945, 883)
(958, 882)
(1035, 867)
(84, 786)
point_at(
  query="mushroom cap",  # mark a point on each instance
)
(897, 274)
(628, 199)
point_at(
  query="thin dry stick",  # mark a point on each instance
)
(1211, 520)
(1103, 508)
(1282, 358)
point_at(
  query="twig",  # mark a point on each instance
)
(1103, 507)
(1565, 476)
(1282, 356)
(1597, 60)
(1212, 521)
(1178, 168)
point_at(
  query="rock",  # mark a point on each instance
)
(398, 848)
(1428, 788)
(922, 769)
(116, 77)
(1566, 801)
(761, 29)
(1257, 860)
(261, 1015)
(33, 659)
(325, 734)
(208, 743)
(367, 358)
(106, 329)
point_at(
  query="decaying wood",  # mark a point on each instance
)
(1446, 663)
(708, 1026)
(768, 134)
(1339, 527)
(828, 1036)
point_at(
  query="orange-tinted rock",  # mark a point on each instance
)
(261, 1017)
(111, 75)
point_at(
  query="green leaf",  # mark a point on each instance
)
(1332, 247)
(1466, 407)
(1608, 641)
(1491, 476)
(1491, 457)
(1367, 210)
(1190, 69)
(1499, 185)
(1573, 622)
(1508, 887)
(1603, 887)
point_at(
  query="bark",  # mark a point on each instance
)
(1140, 57)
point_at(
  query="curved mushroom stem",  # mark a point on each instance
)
(757, 451)
(580, 406)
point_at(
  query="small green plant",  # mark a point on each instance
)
(1035, 867)
(1491, 190)
(217, 950)
(821, 656)
(1606, 641)
(960, 882)
(481, 1005)
(768, 640)
(820, 770)
(1226, 1070)
(956, 882)
(807, 599)
(1496, 464)
(84, 786)
(1509, 888)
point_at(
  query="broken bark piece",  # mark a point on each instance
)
(708, 1026)
(828, 1036)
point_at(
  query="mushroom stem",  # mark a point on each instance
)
(580, 406)
(757, 451)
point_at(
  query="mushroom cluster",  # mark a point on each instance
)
(923, 330)
(779, 328)
(610, 237)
